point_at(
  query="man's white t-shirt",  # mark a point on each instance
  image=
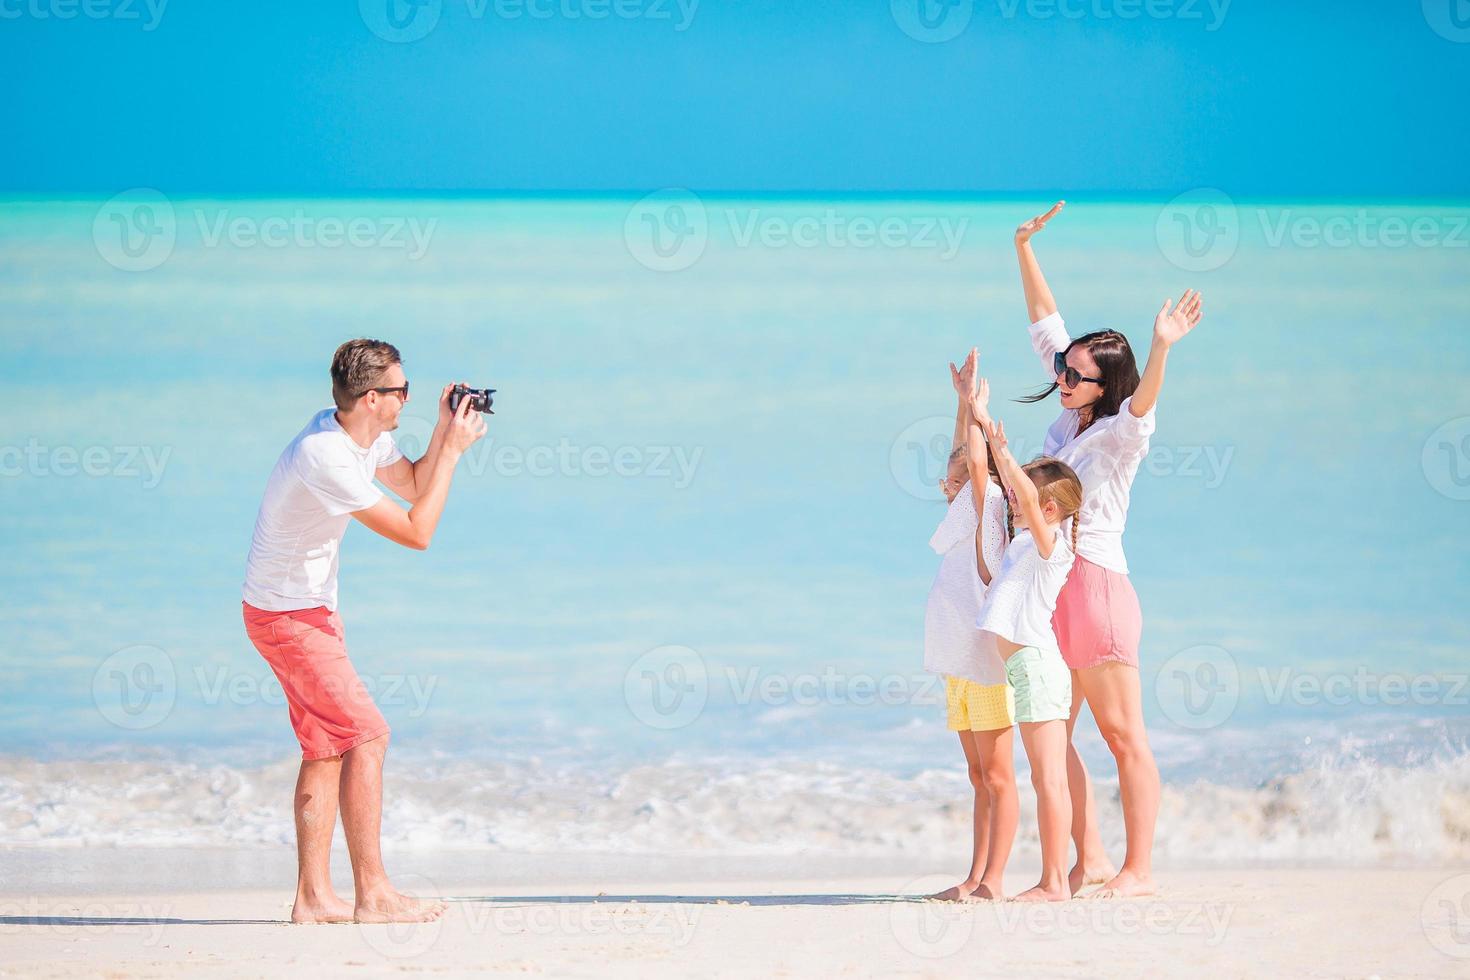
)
(319, 481)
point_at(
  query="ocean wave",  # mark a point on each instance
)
(1349, 814)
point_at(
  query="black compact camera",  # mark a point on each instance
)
(480, 398)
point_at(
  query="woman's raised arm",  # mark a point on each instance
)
(1039, 301)
(1048, 335)
(1169, 327)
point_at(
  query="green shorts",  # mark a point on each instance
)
(1042, 683)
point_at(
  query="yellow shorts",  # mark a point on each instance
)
(979, 707)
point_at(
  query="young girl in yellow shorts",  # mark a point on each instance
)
(971, 539)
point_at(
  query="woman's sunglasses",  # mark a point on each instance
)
(1070, 375)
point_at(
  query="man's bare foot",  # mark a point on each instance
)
(958, 893)
(1127, 884)
(1045, 893)
(1080, 877)
(391, 906)
(312, 909)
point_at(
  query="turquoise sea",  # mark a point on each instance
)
(676, 601)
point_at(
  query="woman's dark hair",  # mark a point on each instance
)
(1115, 365)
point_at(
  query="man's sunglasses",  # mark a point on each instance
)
(401, 391)
(1070, 375)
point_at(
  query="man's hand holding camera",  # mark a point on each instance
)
(463, 427)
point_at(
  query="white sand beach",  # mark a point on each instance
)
(1256, 922)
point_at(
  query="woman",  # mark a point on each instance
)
(1102, 433)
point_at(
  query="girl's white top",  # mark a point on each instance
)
(1106, 459)
(1023, 594)
(952, 645)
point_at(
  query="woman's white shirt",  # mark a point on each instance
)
(1106, 458)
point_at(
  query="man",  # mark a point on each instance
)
(322, 480)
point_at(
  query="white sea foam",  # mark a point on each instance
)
(1350, 814)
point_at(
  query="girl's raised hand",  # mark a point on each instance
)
(963, 377)
(980, 402)
(995, 434)
(1169, 325)
(1029, 228)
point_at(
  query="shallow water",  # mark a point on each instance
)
(690, 564)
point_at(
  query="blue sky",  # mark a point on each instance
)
(1129, 97)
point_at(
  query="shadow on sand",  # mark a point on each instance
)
(686, 899)
(499, 900)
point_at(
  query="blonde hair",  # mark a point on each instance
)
(1057, 482)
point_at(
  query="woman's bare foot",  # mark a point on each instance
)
(1127, 884)
(985, 892)
(312, 909)
(391, 906)
(1080, 877)
(958, 893)
(1045, 893)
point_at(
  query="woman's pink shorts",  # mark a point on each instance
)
(331, 710)
(1097, 619)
